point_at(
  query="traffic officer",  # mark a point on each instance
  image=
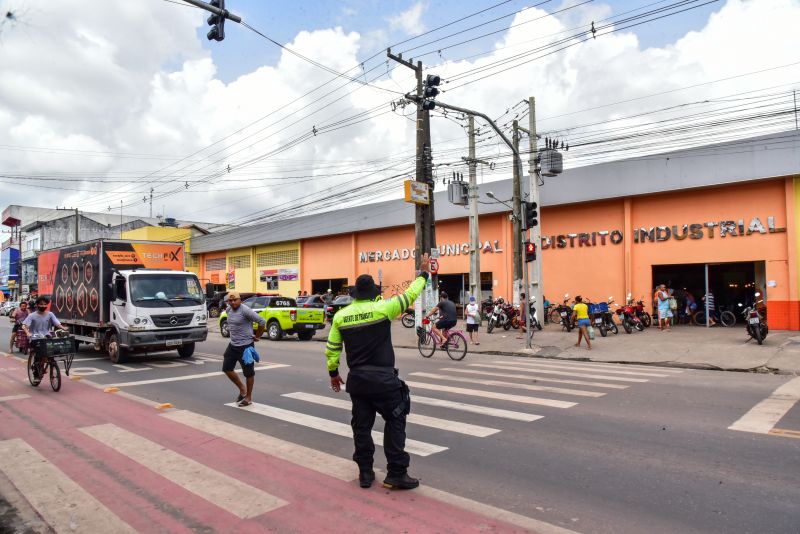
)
(364, 328)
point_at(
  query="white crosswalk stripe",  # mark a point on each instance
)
(546, 379)
(238, 498)
(413, 418)
(577, 375)
(578, 367)
(492, 395)
(419, 448)
(62, 503)
(474, 408)
(513, 385)
(596, 365)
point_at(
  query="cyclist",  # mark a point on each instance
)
(39, 323)
(448, 317)
(17, 317)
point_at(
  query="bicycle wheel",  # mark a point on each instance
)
(407, 320)
(34, 373)
(699, 318)
(457, 346)
(426, 345)
(727, 318)
(55, 376)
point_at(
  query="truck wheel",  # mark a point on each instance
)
(305, 336)
(223, 329)
(186, 351)
(116, 353)
(213, 311)
(274, 331)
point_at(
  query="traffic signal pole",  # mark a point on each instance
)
(536, 286)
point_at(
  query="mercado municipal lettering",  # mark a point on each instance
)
(454, 249)
(708, 230)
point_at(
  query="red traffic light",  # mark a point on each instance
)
(530, 251)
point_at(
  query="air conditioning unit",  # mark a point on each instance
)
(552, 162)
(458, 193)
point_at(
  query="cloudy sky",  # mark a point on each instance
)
(102, 101)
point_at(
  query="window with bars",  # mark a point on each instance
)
(215, 264)
(240, 262)
(278, 257)
(191, 260)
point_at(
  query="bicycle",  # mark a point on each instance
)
(455, 343)
(44, 354)
(725, 318)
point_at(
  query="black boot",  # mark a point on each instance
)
(366, 478)
(400, 482)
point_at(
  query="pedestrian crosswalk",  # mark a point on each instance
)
(476, 400)
(138, 470)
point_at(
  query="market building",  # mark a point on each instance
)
(720, 216)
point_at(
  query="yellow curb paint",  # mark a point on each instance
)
(785, 433)
(111, 390)
(164, 406)
(75, 377)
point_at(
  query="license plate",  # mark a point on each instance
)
(174, 342)
(753, 320)
(563, 314)
(598, 321)
(309, 326)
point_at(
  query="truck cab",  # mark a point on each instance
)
(155, 310)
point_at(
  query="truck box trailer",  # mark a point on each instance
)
(125, 296)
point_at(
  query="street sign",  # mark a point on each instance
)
(434, 266)
(435, 252)
(416, 192)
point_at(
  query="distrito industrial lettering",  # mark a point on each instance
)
(454, 249)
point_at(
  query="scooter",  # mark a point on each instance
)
(754, 323)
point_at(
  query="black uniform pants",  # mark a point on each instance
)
(394, 434)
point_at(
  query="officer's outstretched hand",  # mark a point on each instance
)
(337, 383)
(425, 263)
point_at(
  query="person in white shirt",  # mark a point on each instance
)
(473, 320)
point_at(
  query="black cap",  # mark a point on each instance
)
(365, 288)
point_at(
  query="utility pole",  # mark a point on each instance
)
(424, 216)
(151, 202)
(536, 232)
(516, 193)
(77, 226)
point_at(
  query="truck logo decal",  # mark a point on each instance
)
(173, 320)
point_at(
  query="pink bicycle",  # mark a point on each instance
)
(455, 343)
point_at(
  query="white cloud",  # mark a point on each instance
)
(126, 89)
(410, 20)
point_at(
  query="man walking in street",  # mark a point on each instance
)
(240, 326)
(364, 330)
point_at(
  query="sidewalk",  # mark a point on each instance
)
(724, 349)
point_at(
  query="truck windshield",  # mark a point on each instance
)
(161, 290)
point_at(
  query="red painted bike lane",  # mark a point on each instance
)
(158, 475)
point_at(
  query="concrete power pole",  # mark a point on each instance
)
(474, 240)
(536, 231)
(77, 226)
(424, 216)
(516, 194)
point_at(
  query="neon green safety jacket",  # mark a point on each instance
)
(364, 328)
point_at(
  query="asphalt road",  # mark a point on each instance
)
(642, 449)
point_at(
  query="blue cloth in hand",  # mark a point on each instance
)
(250, 355)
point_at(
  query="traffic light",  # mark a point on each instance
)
(430, 91)
(530, 251)
(217, 22)
(530, 217)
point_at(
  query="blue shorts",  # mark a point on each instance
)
(584, 322)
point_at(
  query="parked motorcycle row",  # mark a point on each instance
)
(606, 317)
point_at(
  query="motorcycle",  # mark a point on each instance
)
(565, 314)
(498, 316)
(755, 324)
(512, 316)
(408, 318)
(643, 316)
(517, 320)
(628, 318)
(609, 325)
(597, 317)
